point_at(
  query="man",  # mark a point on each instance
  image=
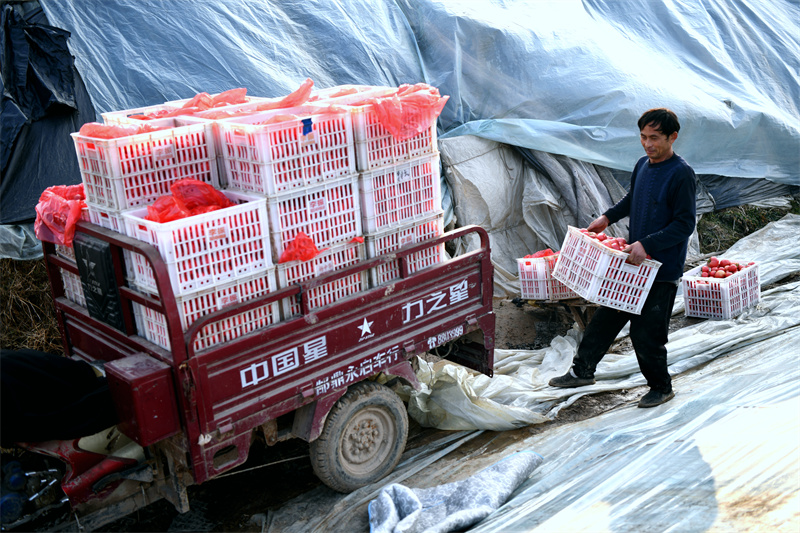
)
(661, 206)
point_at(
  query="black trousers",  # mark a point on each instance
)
(649, 332)
(46, 397)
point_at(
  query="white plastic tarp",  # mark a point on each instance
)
(566, 77)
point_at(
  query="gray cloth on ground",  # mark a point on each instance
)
(453, 506)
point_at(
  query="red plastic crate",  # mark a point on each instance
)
(204, 250)
(720, 298)
(314, 146)
(398, 194)
(334, 258)
(328, 212)
(132, 171)
(536, 279)
(386, 242)
(375, 146)
(601, 275)
(153, 325)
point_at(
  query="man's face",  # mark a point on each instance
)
(657, 145)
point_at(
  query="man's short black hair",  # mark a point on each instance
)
(661, 119)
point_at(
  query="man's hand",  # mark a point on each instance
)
(636, 252)
(599, 224)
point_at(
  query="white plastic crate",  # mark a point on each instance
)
(107, 218)
(720, 298)
(129, 116)
(401, 193)
(386, 242)
(536, 280)
(204, 250)
(329, 213)
(375, 146)
(73, 289)
(334, 258)
(153, 325)
(601, 275)
(132, 171)
(314, 146)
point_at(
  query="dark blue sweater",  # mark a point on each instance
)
(661, 206)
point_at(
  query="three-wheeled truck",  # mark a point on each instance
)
(187, 416)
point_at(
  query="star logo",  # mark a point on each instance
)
(365, 328)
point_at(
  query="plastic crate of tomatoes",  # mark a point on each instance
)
(536, 281)
(375, 146)
(152, 325)
(328, 212)
(721, 289)
(329, 260)
(126, 172)
(203, 250)
(599, 273)
(277, 151)
(401, 193)
(389, 241)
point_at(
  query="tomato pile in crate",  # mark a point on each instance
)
(600, 274)
(125, 172)
(153, 325)
(329, 260)
(536, 281)
(277, 151)
(389, 241)
(401, 193)
(204, 250)
(721, 289)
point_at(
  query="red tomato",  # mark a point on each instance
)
(724, 262)
(704, 274)
(705, 269)
(719, 274)
(731, 268)
(713, 262)
(601, 237)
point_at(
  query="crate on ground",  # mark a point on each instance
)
(400, 193)
(127, 172)
(204, 250)
(334, 258)
(281, 150)
(601, 275)
(152, 325)
(536, 281)
(375, 146)
(328, 212)
(720, 298)
(391, 240)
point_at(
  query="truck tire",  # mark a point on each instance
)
(363, 438)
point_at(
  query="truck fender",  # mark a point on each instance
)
(404, 371)
(310, 418)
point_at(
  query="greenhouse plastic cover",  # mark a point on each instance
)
(721, 456)
(566, 77)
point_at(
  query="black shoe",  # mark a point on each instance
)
(570, 380)
(653, 398)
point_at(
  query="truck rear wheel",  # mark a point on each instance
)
(363, 438)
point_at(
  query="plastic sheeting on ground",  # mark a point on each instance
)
(453, 397)
(452, 506)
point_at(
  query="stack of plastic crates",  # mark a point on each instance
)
(214, 260)
(720, 298)
(302, 161)
(536, 279)
(601, 275)
(73, 290)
